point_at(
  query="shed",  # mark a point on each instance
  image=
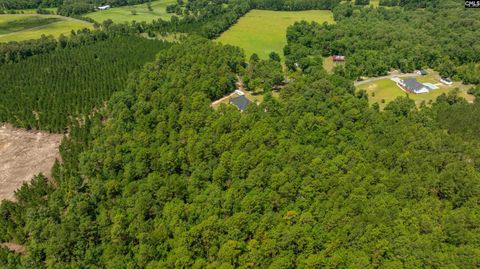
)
(338, 58)
(105, 7)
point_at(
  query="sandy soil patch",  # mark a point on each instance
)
(24, 154)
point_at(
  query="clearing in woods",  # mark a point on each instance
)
(264, 31)
(124, 14)
(385, 90)
(19, 27)
(24, 154)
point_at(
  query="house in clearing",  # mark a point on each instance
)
(105, 7)
(241, 102)
(412, 85)
(338, 58)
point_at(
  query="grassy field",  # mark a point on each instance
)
(13, 23)
(385, 91)
(124, 14)
(263, 31)
(24, 27)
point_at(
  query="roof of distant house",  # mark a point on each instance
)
(413, 85)
(240, 101)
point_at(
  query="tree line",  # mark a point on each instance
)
(57, 87)
(377, 40)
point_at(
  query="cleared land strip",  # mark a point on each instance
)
(24, 154)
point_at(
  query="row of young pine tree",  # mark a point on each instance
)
(49, 91)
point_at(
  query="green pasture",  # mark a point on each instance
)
(13, 23)
(385, 90)
(264, 31)
(23, 27)
(124, 14)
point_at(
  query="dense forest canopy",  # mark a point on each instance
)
(377, 40)
(314, 179)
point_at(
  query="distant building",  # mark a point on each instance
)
(412, 85)
(239, 92)
(105, 7)
(240, 101)
(446, 81)
(422, 72)
(338, 58)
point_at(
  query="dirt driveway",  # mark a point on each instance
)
(24, 154)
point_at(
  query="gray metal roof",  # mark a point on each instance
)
(241, 102)
(413, 85)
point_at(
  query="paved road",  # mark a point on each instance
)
(358, 83)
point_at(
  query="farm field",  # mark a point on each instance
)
(264, 31)
(385, 90)
(14, 23)
(124, 14)
(23, 27)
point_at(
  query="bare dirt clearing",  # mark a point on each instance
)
(24, 154)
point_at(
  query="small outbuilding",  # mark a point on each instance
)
(338, 58)
(422, 72)
(105, 7)
(241, 102)
(446, 81)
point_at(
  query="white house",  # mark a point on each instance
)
(105, 7)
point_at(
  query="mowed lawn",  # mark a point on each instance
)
(385, 90)
(124, 14)
(264, 31)
(23, 27)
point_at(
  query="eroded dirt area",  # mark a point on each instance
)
(24, 154)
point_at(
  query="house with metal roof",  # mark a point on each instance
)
(241, 102)
(412, 85)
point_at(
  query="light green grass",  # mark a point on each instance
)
(374, 3)
(124, 14)
(63, 26)
(329, 64)
(18, 23)
(388, 91)
(264, 31)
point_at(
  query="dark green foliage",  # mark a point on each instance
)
(362, 2)
(461, 119)
(294, 4)
(75, 8)
(274, 56)
(49, 90)
(9, 260)
(315, 179)
(25, 4)
(263, 75)
(377, 40)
